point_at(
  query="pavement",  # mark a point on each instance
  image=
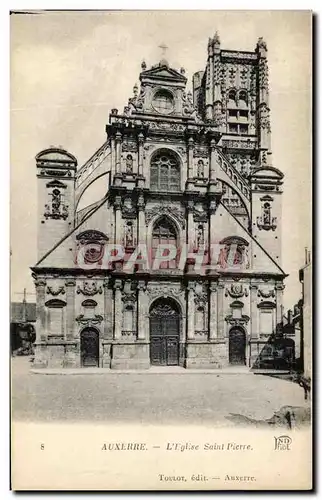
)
(155, 396)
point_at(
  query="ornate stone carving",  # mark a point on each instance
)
(176, 212)
(89, 289)
(129, 147)
(236, 290)
(81, 319)
(237, 321)
(239, 55)
(164, 291)
(56, 209)
(128, 209)
(55, 292)
(201, 152)
(129, 297)
(266, 295)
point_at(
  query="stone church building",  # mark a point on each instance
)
(186, 170)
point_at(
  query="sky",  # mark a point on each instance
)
(69, 69)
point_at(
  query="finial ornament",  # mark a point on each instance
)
(135, 90)
(261, 44)
(164, 48)
(182, 71)
(143, 65)
(216, 38)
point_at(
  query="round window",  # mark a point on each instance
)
(163, 102)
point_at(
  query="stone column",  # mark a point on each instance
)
(41, 333)
(140, 154)
(191, 311)
(254, 327)
(70, 308)
(212, 229)
(190, 157)
(118, 220)
(213, 161)
(279, 287)
(118, 138)
(108, 310)
(142, 312)
(190, 226)
(141, 234)
(213, 311)
(118, 309)
(220, 311)
(113, 165)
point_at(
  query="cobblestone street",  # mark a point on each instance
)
(190, 398)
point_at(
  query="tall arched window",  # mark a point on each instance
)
(165, 172)
(164, 233)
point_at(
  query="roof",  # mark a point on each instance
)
(17, 312)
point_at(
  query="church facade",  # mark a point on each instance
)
(179, 264)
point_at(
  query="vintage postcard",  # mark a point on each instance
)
(161, 299)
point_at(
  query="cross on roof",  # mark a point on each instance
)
(164, 48)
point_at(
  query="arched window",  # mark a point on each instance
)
(165, 172)
(232, 98)
(242, 99)
(164, 233)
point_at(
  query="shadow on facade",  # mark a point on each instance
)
(278, 353)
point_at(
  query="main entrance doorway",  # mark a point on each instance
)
(164, 333)
(89, 347)
(237, 346)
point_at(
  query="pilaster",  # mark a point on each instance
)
(118, 309)
(220, 310)
(108, 310)
(191, 311)
(254, 327)
(70, 308)
(142, 311)
(213, 311)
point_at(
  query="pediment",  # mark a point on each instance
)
(267, 173)
(55, 154)
(163, 72)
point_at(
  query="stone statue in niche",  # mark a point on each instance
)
(129, 164)
(200, 169)
(200, 235)
(129, 234)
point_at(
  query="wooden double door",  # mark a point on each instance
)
(164, 333)
(237, 346)
(89, 347)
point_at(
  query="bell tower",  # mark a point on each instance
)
(56, 170)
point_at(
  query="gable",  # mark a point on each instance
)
(163, 72)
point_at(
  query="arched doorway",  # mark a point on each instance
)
(89, 347)
(237, 346)
(164, 333)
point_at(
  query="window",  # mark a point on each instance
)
(163, 102)
(165, 173)
(266, 322)
(164, 233)
(238, 114)
(55, 317)
(128, 319)
(233, 129)
(243, 129)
